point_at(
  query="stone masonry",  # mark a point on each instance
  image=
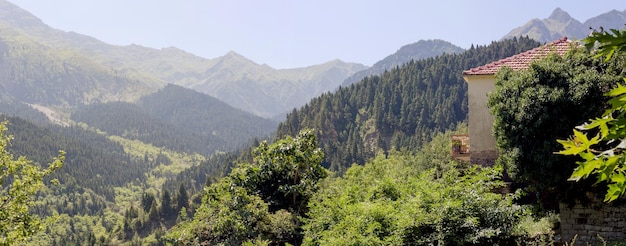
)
(593, 223)
(484, 158)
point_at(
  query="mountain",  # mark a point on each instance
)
(205, 116)
(396, 110)
(266, 91)
(560, 24)
(36, 73)
(610, 20)
(240, 82)
(179, 119)
(416, 51)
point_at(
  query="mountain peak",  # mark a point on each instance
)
(232, 54)
(17, 17)
(559, 15)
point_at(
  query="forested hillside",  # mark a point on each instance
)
(416, 51)
(179, 119)
(398, 109)
(101, 178)
(205, 115)
(92, 161)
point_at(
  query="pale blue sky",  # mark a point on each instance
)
(297, 33)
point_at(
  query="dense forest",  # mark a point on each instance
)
(400, 108)
(349, 134)
(179, 119)
(92, 161)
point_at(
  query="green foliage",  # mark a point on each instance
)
(20, 180)
(258, 201)
(533, 107)
(609, 43)
(401, 108)
(603, 154)
(229, 215)
(403, 199)
(285, 173)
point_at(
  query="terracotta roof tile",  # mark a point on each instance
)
(522, 60)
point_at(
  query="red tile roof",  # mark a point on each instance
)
(522, 60)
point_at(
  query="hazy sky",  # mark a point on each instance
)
(297, 33)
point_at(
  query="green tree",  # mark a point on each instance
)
(182, 198)
(259, 201)
(166, 204)
(532, 107)
(603, 154)
(147, 199)
(285, 173)
(20, 180)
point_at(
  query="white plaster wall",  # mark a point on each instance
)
(480, 119)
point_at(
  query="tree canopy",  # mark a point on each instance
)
(20, 180)
(259, 201)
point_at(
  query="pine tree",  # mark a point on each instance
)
(182, 197)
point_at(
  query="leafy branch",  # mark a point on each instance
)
(604, 154)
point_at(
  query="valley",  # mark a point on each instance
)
(164, 147)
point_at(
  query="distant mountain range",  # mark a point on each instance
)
(48, 67)
(416, 51)
(560, 24)
(232, 78)
(266, 91)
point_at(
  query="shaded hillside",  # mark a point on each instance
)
(400, 109)
(130, 121)
(11, 107)
(91, 161)
(205, 116)
(560, 24)
(179, 119)
(416, 51)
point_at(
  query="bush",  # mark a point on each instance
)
(395, 201)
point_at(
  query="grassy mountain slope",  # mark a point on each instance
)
(266, 91)
(33, 72)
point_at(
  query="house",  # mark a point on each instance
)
(481, 81)
(590, 222)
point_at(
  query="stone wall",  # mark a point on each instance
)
(485, 158)
(592, 222)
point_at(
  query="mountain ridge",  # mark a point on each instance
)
(421, 49)
(154, 68)
(560, 24)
